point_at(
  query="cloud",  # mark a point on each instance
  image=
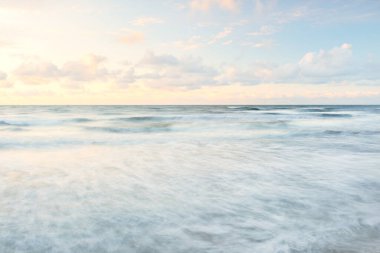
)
(264, 31)
(205, 5)
(193, 43)
(3, 76)
(291, 15)
(264, 7)
(334, 65)
(166, 59)
(326, 63)
(125, 77)
(170, 71)
(221, 35)
(132, 37)
(4, 83)
(143, 21)
(36, 71)
(86, 69)
(258, 44)
(21, 4)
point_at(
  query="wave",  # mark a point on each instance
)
(13, 129)
(314, 110)
(337, 132)
(332, 132)
(317, 109)
(273, 113)
(5, 123)
(154, 128)
(244, 108)
(143, 118)
(81, 120)
(335, 115)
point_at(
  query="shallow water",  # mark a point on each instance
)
(190, 179)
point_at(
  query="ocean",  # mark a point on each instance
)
(190, 179)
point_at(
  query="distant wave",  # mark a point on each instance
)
(364, 132)
(143, 118)
(5, 123)
(332, 132)
(281, 108)
(317, 109)
(13, 129)
(244, 108)
(314, 110)
(335, 115)
(81, 120)
(143, 129)
(273, 113)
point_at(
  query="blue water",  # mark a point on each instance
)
(190, 179)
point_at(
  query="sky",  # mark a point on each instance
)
(189, 52)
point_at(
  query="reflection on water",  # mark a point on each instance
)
(189, 179)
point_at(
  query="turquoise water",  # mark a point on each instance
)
(190, 179)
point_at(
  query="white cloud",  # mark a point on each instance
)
(168, 71)
(152, 70)
(86, 69)
(326, 63)
(174, 72)
(143, 21)
(21, 4)
(258, 44)
(166, 59)
(264, 7)
(36, 71)
(334, 65)
(125, 77)
(264, 31)
(221, 35)
(192, 43)
(205, 5)
(132, 37)
(196, 42)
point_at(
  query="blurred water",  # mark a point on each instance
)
(190, 179)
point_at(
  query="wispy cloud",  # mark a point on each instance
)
(193, 42)
(205, 5)
(21, 4)
(144, 21)
(4, 83)
(258, 44)
(132, 37)
(264, 31)
(221, 35)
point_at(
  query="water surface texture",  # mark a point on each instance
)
(189, 179)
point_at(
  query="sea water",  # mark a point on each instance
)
(189, 179)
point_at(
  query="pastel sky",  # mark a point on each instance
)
(189, 52)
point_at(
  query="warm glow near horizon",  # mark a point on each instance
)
(189, 52)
